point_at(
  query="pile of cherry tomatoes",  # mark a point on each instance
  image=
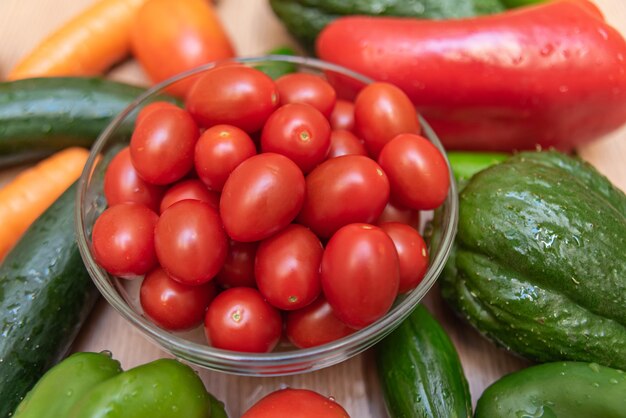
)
(268, 205)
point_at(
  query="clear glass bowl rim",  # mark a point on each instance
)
(230, 361)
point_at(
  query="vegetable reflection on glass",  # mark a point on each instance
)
(552, 75)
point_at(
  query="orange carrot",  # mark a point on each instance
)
(86, 45)
(34, 190)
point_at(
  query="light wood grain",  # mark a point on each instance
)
(254, 30)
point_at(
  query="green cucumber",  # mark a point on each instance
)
(66, 383)
(45, 296)
(305, 19)
(539, 265)
(557, 390)
(39, 116)
(420, 371)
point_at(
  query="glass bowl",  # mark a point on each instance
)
(189, 346)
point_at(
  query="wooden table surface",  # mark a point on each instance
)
(254, 29)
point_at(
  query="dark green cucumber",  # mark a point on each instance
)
(557, 390)
(45, 295)
(539, 263)
(420, 371)
(305, 19)
(41, 115)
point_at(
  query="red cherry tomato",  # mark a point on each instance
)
(342, 116)
(395, 213)
(238, 269)
(314, 325)
(190, 242)
(300, 132)
(220, 149)
(189, 189)
(122, 184)
(287, 267)
(344, 142)
(162, 145)
(296, 403)
(309, 89)
(261, 197)
(343, 190)
(360, 274)
(412, 254)
(234, 95)
(381, 112)
(418, 173)
(171, 305)
(123, 239)
(239, 319)
(151, 107)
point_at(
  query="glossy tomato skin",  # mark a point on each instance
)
(381, 112)
(172, 305)
(296, 403)
(238, 269)
(343, 190)
(261, 197)
(397, 213)
(287, 267)
(360, 274)
(192, 189)
(123, 239)
(162, 145)
(172, 36)
(418, 173)
(342, 116)
(239, 319)
(412, 254)
(344, 142)
(220, 149)
(151, 107)
(307, 88)
(314, 325)
(122, 184)
(190, 242)
(299, 132)
(233, 95)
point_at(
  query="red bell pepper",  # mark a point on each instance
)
(550, 75)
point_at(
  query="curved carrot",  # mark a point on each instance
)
(34, 190)
(86, 45)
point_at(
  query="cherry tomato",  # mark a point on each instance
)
(238, 269)
(360, 274)
(342, 116)
(234, 95)
(192, 189)
(220, 149)
(171, 305)
(344, 142)
(418, 173)
(382, 111)
(314, 325)
(261, 197)
(162, 145)
(300, 132)
(172, 36)
(396, 213)
(190, 242)
(287, 267)
(151, 107)
(343, 190)
(309, 89)
(296, 403)
(412, 254)
(123, 184)
(123, 239)
(239, 319)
